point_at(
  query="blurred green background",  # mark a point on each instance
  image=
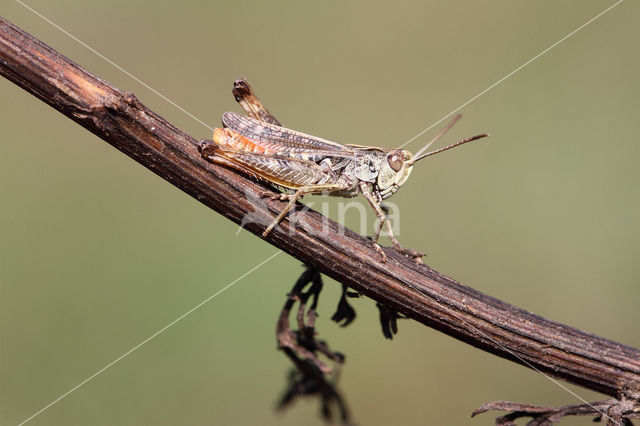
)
(98, 253)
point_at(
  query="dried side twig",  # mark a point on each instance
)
(615, 412)
(311, 376)
(388, 320)
(345, 314)
(415, 291)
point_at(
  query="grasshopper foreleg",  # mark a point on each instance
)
(382, 220)
(415, 255)
(366, 191)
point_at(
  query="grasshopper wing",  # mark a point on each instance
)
(285, 171)
(281, 139)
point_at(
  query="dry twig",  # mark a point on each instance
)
(415, 291)
(615, 412)
(311, 376)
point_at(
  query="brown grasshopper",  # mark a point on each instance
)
(301, 164)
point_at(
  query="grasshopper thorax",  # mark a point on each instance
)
(395, 169)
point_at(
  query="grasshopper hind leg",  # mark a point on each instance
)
(250, 103)
(283, 193)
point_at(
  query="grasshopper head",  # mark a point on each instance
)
(394, 171)
(397, 165)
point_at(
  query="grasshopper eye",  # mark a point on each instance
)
(396, 160)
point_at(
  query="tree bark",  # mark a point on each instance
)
(416, 291)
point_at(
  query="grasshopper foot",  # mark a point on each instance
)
(381, 252)
(413, 254)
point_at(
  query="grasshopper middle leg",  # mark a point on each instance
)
(301, 192)
(292, 200)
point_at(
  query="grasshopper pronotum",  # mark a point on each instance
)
(302, 164)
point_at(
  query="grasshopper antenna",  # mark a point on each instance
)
(438, 136)
(420, 154)
(446, 148)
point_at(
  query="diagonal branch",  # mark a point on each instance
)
(416, 291)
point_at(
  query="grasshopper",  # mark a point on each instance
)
(300, 164)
